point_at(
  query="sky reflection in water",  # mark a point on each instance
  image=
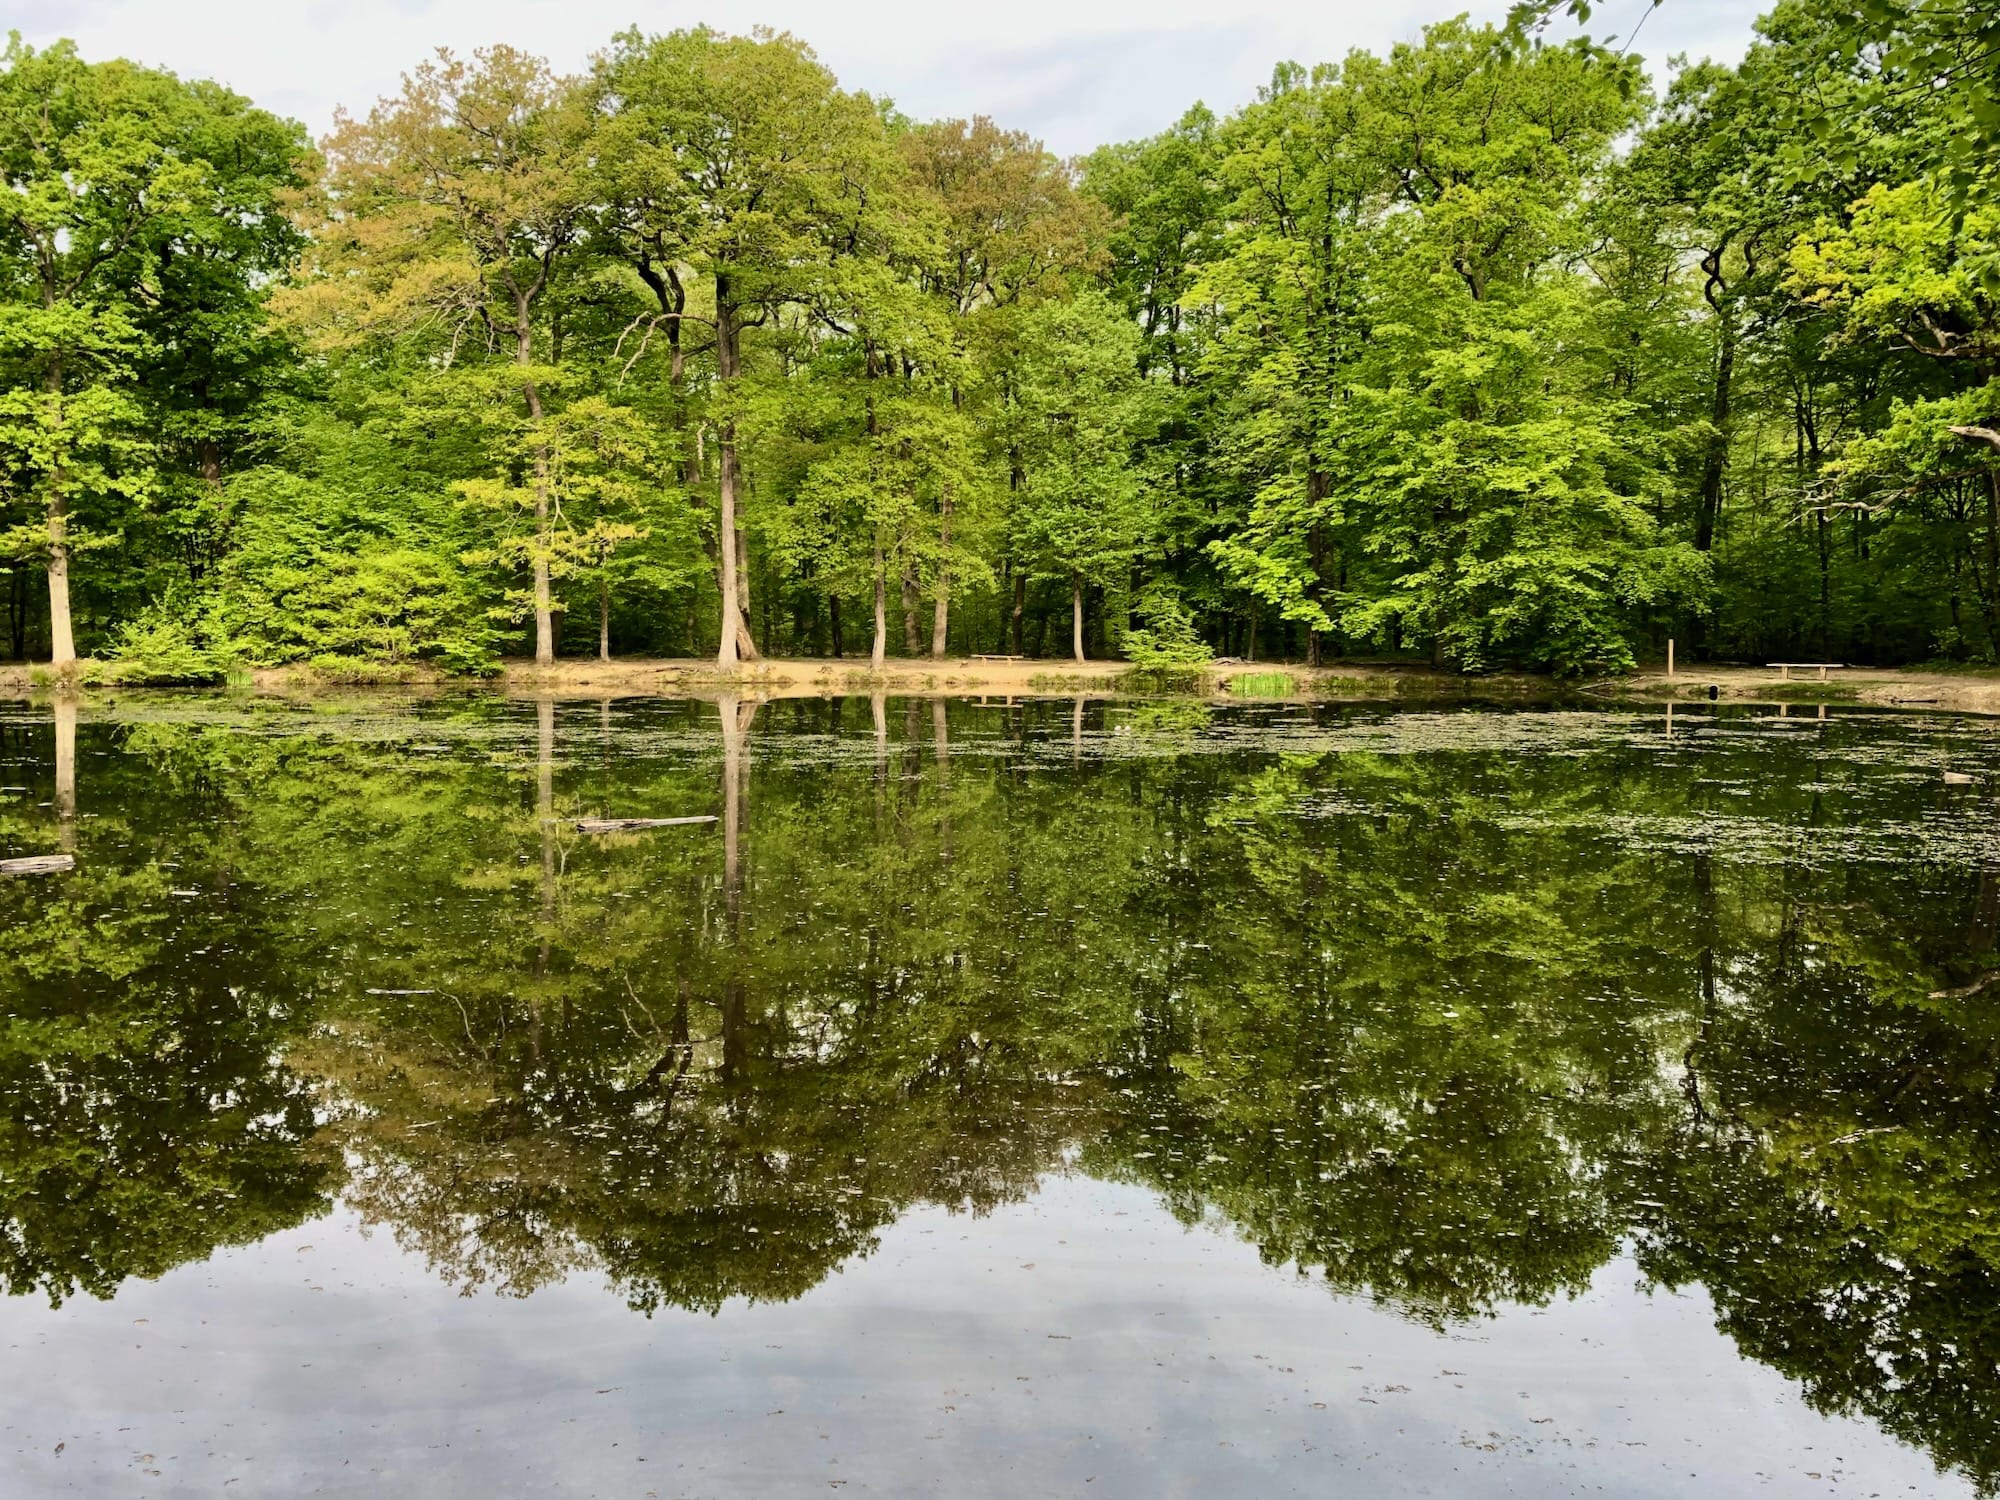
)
(1263, 1101)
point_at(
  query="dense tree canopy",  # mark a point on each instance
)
(1478, 352)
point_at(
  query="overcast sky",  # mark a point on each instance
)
(1077, 73)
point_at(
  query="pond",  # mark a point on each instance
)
(997, 1098)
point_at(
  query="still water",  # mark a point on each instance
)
(997, 1099)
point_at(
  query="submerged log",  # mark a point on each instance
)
(631, 825)
(39, 864)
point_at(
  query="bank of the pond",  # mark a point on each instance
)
(1956, 691)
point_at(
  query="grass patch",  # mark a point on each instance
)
(706, 674)
(1375, 685)
(1262, 685)
(350, 671)
(1943, 668)
(1161, 680)
(1809, 692)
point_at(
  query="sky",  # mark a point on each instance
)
(1075, 73)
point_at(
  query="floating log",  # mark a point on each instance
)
(1964, 991)
(633, 825)
(39, 864)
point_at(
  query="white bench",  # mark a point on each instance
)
(1785, 667)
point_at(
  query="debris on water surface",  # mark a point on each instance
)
(38, 864)
(635, 825)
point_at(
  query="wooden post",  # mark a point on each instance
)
(1670, 658)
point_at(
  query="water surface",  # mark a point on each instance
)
(1052, 1097)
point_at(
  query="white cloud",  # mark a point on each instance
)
(1074, 74)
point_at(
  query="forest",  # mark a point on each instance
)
(1492, 353)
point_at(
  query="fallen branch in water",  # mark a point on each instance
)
(629, 825)
(1967, 989)
(38, 864)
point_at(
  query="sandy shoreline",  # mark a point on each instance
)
(1961, 692)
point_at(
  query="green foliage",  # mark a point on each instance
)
(180, 642)
(141, 226)
(1262, 684)
(1168, 637)
(1409, 355)
(387, 605)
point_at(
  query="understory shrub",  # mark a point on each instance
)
(389, 606)
(1168, 637)
(178, 641)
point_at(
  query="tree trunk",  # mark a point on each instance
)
(1992, 580)
(880, 649)
(736, 643)
(941, 609)
(1715, 460)
(912, 642)
(603, 618)
(1076, 613)
(524, 355)
(62, 642)
(17, 614)
(833, 618)
(1825, 590)
(743, 641)
(1318, 486)
(1020, 605)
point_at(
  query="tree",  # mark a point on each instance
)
(94, 158)
(1078, 406)
(213, 364)
(443, 219)
(1450, 426)
(1013, 229)
(1906, 269)
(742, 159)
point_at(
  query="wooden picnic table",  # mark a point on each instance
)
(1785, 667)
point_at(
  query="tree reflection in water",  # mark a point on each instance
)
(1442, 1013)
